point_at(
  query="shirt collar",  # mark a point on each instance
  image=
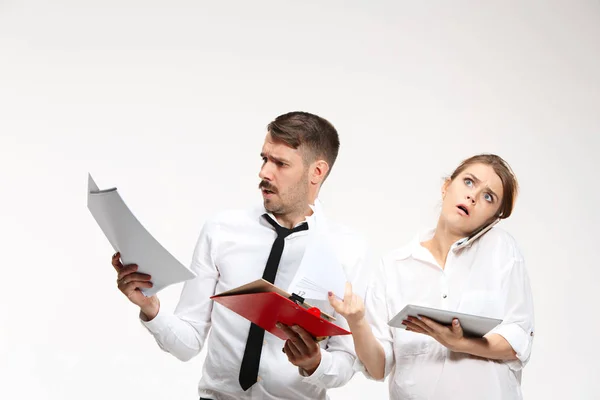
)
(416, 250)
(316, 219)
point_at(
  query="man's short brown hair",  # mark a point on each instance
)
(316, 136)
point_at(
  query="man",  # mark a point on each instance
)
(237, 247)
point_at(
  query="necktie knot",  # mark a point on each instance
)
(283, 232)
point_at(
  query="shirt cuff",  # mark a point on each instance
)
(157, 324)
(519, 340)
(324, 365)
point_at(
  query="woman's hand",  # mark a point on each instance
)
(450, 337)
(352, 307)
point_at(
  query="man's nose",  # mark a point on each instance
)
(265, 172)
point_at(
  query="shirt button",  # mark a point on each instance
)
(444, 296)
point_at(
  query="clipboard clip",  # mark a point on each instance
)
(297, 299)
(311, 310)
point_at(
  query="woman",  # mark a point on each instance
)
(487, 278)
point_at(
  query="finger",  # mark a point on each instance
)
(307, 339)
(129, 289)
(288, 332)
(412, 326)
(116, 261)
(291, 351)
(337, 305)
(420, 324)
(358, 304)
(294, 338)
(287, 351)
(416, 329)
(431, 324)
(127, 270)
(135, 277)
(348, 293)
(456, 327)
(299, 345)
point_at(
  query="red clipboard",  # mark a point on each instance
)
(265, 304)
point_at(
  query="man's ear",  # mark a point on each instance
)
(318, 171)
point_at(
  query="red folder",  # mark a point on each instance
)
(265, 305)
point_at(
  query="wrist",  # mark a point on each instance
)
(358, 324)
(461, 345)
(309, 370)
(150, 311)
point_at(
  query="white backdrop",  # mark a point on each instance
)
(169, 102)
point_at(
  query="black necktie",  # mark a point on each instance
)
(251, 360)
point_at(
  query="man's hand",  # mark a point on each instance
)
(301, 349)
(451, 337)
(129, 282)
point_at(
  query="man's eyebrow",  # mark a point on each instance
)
(272, 157)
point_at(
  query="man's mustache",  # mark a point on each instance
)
(267, 186)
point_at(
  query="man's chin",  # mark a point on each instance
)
(270, 206)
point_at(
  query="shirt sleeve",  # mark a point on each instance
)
(338, 355)
(377, 316)
(183, 333)
(517, 326)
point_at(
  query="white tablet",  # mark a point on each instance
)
(472, 325)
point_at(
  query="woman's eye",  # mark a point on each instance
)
(468, 182)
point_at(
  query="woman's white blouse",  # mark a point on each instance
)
(487, 278)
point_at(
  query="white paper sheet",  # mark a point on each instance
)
(133, 241)
(320, 271)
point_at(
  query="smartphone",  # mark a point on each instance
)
(478, 233)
